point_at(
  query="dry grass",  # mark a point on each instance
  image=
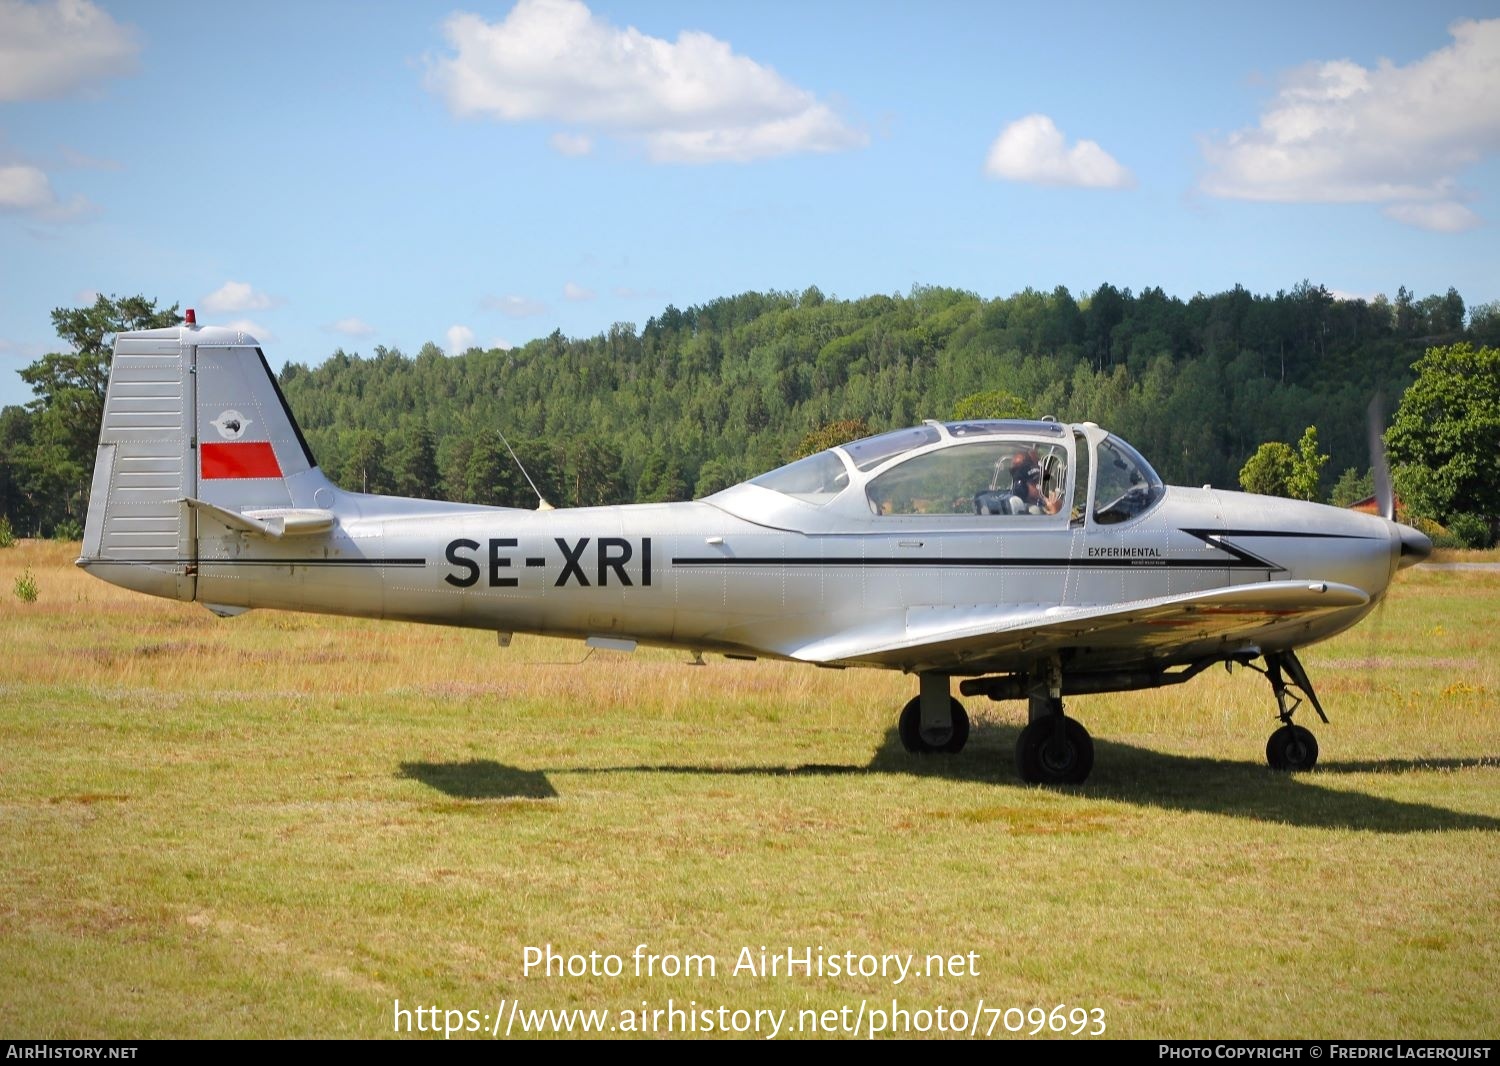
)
(277, 825)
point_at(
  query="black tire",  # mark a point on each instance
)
(950, 741)
(1292, 748)
(1044, 758)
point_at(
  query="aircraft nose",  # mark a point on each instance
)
(1415, 545)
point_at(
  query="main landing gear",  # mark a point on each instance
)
(1291, 747)
(934, 721)
(1053, 749)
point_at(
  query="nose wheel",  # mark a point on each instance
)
(1292, 748)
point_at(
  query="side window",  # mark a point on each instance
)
(995, 477)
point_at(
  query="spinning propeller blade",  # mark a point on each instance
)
(1380, 471)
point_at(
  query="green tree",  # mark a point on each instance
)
(491, 475)
(1351, 487)
(661, 479)
(53, 468)
(416, 466)
(830, 435)
(1307, 468)
(592, 473)
(713, 476)
(1444, 439)
(1484, 323)
(71, 384)
(1269, 471)
(364, 469)
(16, 501)
(995, 403)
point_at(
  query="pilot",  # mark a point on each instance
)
(1024, 470)
(1026, 487)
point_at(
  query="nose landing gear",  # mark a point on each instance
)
(1291, 747)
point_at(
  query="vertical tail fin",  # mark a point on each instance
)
(191, 414)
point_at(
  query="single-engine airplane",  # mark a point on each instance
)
(1029, 560)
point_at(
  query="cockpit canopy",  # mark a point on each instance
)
(983, 467)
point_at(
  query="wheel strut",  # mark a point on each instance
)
(1291, 747)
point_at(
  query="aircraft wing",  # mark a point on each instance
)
(970, 637)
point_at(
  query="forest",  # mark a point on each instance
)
(699, 398)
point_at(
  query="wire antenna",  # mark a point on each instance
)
(541, 502)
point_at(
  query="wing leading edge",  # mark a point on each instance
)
(971, 637)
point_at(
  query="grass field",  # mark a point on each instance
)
(279, 825)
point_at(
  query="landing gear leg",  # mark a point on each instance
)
(1053, 749)
(1291, 747)
(934, 721)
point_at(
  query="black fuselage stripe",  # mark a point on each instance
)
(200, 561)
(1276, 533)
(972, 562)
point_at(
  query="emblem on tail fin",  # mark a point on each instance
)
(231, 425)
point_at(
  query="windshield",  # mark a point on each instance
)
(815, 480)
(1127, 486)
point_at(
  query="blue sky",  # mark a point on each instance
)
(348, 175)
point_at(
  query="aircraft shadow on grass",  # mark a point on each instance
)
(480, 779)
(1125, 773)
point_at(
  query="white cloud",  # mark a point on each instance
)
(577, 293)
(460, 339)
(1337, 132)
(353, 327)
(571, 143)
(692, 100)
(27, 190)
(255, 329)
(1033, 149)
(1445, 216)
(85, 297)
(513, 306)
(24, 188)
(52, 49)
(237, 296)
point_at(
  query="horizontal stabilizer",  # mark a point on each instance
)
(273, 522)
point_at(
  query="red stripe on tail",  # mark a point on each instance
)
(238, 460)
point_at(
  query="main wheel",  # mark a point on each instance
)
(917, 740)
(1292, 748)
(1043, 757)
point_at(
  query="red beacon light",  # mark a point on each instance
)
(191, 318)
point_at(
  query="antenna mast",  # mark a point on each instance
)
(541, 503)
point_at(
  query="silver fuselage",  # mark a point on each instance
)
(205, 491)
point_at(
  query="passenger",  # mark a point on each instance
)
(1026, 487)
(1025, 495)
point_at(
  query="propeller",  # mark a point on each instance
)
(1380, 470)
(1415, 545)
